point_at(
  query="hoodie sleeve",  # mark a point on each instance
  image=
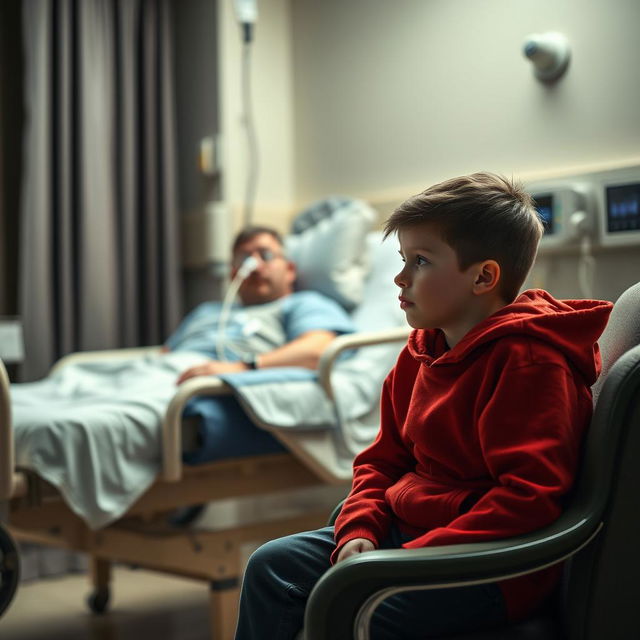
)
(530, 433)
(365, 513)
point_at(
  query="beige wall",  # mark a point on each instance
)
(378, 99)
(392, 96)
(272, 91)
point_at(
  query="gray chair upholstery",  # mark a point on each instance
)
(597, 532)
(621, 333)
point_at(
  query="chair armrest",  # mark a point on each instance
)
(106, 354)
(349, 592)
(172, 423)
(354, 341)
(6, 437)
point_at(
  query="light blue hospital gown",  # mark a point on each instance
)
(224, 429)
(259, 328)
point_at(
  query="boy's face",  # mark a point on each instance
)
(435, 294)
(274, 276)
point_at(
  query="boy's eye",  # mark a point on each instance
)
(418, 260)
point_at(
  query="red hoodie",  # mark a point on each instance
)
(496, 423)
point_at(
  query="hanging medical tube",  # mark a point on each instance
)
(249, 265)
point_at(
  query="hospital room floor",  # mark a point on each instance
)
(144, 605)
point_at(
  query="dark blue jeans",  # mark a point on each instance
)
(281, 574)
(226, 432)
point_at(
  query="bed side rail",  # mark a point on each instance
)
(210, 385)
(354, 341)
(6, 437)
(172, 423)
(103, 354)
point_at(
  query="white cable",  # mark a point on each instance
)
(586, 268)
(249, 265)
(253, 162)
(247, 14)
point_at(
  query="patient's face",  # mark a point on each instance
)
(275, 275)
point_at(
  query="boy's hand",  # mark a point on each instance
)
(353, 547)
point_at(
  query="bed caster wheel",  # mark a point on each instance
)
(184, 516)
(98, 601)
(9, 569)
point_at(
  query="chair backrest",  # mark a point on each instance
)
(621, 333)
(601, 582)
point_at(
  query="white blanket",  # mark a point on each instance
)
(93, 429)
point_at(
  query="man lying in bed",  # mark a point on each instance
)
(92, 429)
(272, 326)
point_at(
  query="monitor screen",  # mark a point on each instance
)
(544, 206)
(623, 208)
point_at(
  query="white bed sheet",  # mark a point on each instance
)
(93, 429)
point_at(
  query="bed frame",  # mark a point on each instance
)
(36, 512)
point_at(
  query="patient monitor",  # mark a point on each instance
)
(567, 213)
(603, 206)
(618, 197)
(597, 209)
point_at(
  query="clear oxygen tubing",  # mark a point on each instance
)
(586, 268)
(249, 265)
(253, 157)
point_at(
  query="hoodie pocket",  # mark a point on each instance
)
(423, 504)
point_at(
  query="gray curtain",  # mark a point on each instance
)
(11, 123)
(99, 234)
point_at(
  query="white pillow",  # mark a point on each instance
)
(328, 243)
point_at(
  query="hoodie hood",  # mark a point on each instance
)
(572, 326)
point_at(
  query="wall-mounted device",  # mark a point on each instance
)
(598, 209)
(246, 14)
(567, 213)
(618, 198)
(209, 160)
(206, 238)
(549, 53)
(610, 200)
(11, 340)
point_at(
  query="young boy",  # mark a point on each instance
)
(481, 419)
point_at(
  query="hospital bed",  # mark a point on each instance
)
(143, 537)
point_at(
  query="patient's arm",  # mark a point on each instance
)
(211, 368)
(303, 351)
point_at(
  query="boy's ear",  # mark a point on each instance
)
(487, 277)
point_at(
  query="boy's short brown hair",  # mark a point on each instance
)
(481, 216)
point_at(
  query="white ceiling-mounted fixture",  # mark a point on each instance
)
(549, 53)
